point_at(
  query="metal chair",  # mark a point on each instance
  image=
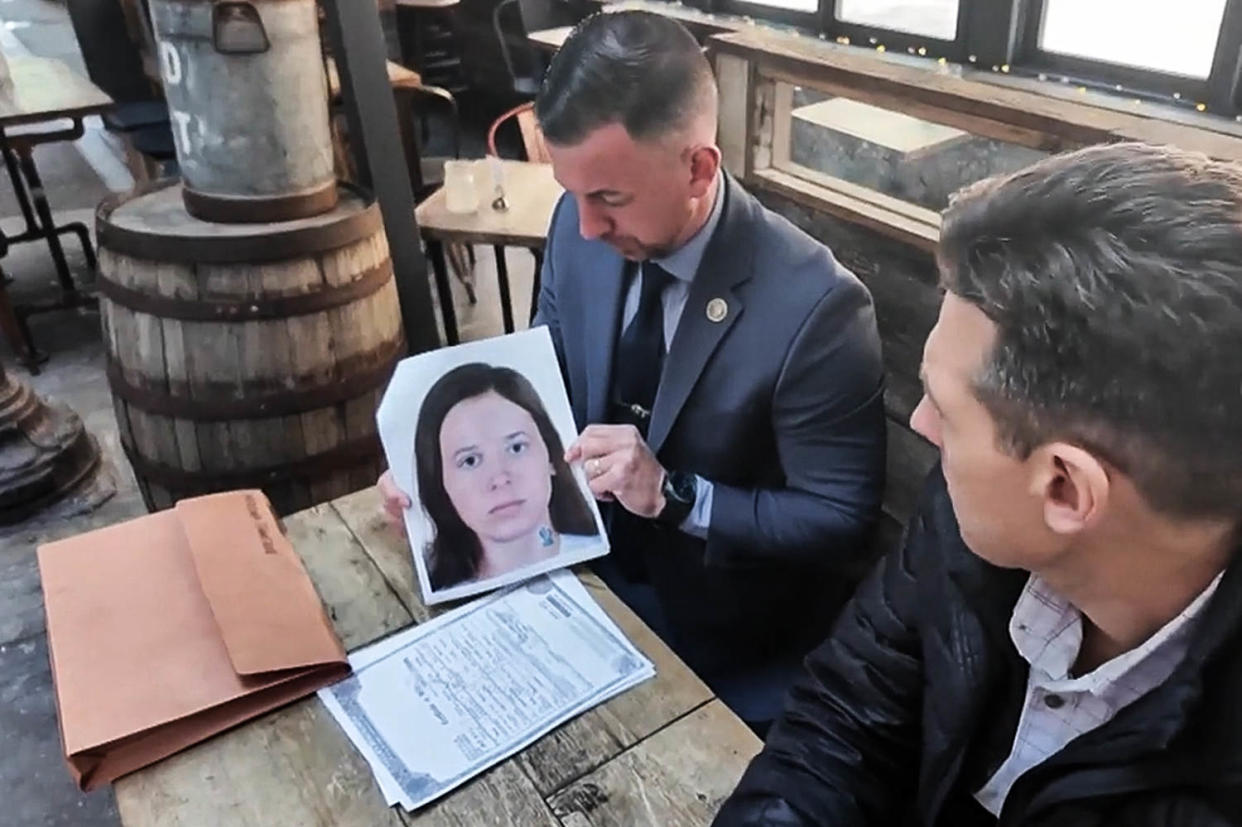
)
(535, 151)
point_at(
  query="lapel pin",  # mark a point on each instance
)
(717, 309)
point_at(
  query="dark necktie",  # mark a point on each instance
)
(640, 351)
(636, 376)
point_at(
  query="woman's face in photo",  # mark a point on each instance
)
(496, 467)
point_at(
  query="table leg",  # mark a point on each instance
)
(19, 189)
(536, 282)
(502, 275)
(435, 250)
(47, 224)
(17, 331)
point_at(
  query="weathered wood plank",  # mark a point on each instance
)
(291, 768)
(601, 733)
(864, 212)
(275, 367)
(359, 600)
(502, 796)
(761, 126)
(386, 546)
(733, 81)
(597, 735)
(295, 766)
(680, 775)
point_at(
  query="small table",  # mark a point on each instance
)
(549, 39)
(42, 90)
(531, 192)
(664, 752)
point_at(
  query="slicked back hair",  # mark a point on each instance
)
(642, 70)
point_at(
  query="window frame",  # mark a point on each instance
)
(1004, 35)
(861, 34)
(770, 14)
(1218, 92)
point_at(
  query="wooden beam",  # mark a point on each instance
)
(733, 82)
(898, 224)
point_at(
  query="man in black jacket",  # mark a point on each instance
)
(1059, 640)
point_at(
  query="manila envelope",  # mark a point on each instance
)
(173, 627)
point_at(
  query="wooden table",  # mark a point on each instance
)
(663, 753)
(549, 39)
(531, 192)
(38, 91)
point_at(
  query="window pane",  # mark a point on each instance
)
(889, 153)
(932, 18)
(793, 5)
(1176, 38)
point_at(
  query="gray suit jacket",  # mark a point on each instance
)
(779, 405)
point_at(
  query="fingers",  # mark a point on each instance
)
(598, 440)
(395, 500)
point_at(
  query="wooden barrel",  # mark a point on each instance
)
(248, 103)
(247, 355)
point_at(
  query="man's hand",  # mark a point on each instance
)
(396, 501)
(620, 466)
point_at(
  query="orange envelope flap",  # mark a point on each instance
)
(269, 614)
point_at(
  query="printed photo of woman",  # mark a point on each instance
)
(492, 478)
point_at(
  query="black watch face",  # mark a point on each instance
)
(683, 486)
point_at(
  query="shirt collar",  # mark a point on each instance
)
(1047, 631)
(684, 262)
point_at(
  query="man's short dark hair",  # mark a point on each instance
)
(1114, 277)
(642, 70)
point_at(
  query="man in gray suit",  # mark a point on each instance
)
(725, 368)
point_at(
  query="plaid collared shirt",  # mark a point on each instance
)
(1047, 632)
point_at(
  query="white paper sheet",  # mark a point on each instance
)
(431, 707)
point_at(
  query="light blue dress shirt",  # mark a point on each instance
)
(682, 264)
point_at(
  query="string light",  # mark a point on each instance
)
(973, 58)
(1202, 107)
(1043, 76)
(995, 68)
(881, 48)
(910, 50)
(922, 50)
(1005, 68)
(942, 61)
(1082, 90)
(873, 41)
(1177, 96)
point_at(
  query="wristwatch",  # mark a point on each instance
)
(680, 490)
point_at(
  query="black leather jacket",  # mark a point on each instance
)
(875, 731)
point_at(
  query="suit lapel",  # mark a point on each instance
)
(726, 263)
(603, 316)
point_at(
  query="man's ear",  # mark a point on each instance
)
(704, 165)
(1074, 484)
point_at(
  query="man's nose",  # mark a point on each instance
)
(592, 223)
(923, 421)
